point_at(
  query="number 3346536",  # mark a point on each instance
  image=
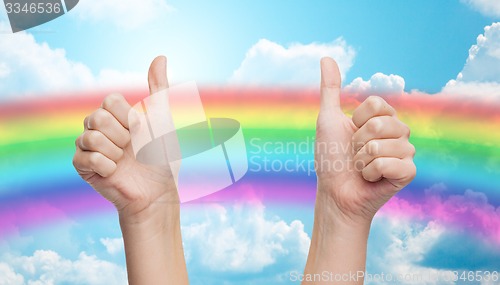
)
(33, 8)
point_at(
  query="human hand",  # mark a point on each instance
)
(105, 159)
(361, 161)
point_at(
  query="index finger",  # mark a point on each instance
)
(118, 106)
(373, 106)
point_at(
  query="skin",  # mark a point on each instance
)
(145, 197)
(361, 163)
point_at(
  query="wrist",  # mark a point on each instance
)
(332, 209)
(154, 221)
(331, 221)
(338, 244)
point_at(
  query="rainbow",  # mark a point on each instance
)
(457, 142)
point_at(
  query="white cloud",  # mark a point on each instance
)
(126, 14)
(242, 239)
(48, 267)
(36, 66)
(398, 249)
(476, 89)
(269, 63)
(28, 67)
(8, 276)
(486, 7)
(113, 245)
(481, 73)
(378, 84)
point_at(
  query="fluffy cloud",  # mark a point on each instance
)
(48, 267)
(420, 251)
(378, 84)
(481, 73)
(28, 67)
(428, 240)
(424, 242)
(243, 240)
(126, 14)
(476, 89)
(400, 245)
(9, 276)
(269, 63)
(486, 7)
(470, 210)
(36, 67)
(112, 245)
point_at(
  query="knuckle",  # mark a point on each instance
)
(100, 119)
(92, 139)
(95, 160)
(412, 172)
(374, 103)
(374, 125)
(413, 150)
(111, 100)
(406, 130)
(86, 122)
(84, 142)
(372, 148)
(77, 141)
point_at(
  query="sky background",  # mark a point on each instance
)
(402, 38)
(447, 51)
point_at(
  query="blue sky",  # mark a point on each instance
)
(425, 42)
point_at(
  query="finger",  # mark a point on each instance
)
(384, 127)
(373, 106)
(397, 148)
(157, 75)
(330, 84)
(96, 141)
(103, 121)
(118, 107)
(86, 123)
(398, 172)
(87, 162)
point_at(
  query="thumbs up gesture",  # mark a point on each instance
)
(145, 196)
(104, 156)
(361, 161)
